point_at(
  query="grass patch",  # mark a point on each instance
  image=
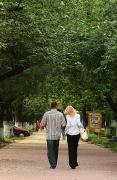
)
(7, 140)
(12, 139)
(32, 130)
(111, 146)
(93, 139)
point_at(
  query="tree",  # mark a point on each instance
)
(73, 42)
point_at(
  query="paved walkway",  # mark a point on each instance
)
(27, 160)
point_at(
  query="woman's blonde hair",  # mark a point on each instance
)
(70, 111)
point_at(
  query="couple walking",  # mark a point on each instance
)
(54, 121)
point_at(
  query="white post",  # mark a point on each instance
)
(7, 129)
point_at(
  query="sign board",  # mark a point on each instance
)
(95, 122)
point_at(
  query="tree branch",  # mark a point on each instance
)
(12, 73)
(16, 7)
(112, 104)
(20, 1)
(110, 101)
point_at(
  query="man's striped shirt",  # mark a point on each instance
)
(53, 120)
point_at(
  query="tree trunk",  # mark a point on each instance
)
(1, 120)
(6, 122)
(2, 114)
(84, 116)
(18, 115)
(113, 105)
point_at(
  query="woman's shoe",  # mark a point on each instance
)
(73, 167)
(77, 164)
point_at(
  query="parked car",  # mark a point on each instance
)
(18, 131)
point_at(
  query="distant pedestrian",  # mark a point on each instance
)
(37, 125)
(73, 134)
(53, 120)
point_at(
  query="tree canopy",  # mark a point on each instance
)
(63, 50)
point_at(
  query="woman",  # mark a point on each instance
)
(73, 134)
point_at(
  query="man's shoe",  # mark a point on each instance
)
(52, 167)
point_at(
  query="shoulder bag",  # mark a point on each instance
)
(83, 134)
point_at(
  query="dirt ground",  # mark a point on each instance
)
(27, 160)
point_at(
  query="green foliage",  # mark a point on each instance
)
(23, 55)
(35, 107)
(57, 50)
(93, 138)
(111, 146)
(8, 140)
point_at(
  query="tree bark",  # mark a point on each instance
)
(12, 73)
(2, 115)
(84, 116)
(113, 105)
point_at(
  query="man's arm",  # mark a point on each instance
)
(63, 121)
(43, 121)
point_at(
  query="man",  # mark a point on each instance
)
(63, 128)
(53, 121)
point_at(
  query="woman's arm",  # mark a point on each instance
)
(79, 122)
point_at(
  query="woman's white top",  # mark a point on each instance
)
(73, 124)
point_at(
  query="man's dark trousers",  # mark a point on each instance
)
(52, 148)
